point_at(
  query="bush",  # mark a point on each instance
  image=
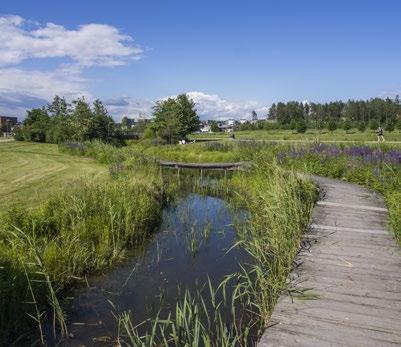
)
(332, 125)
(373, 124)
(390, 126)
(347, 125)
(362, 126)
(301, 126)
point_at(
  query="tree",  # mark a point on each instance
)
(347, 125)
(301, 126)
(60, 116)
(332, 125)
(58, 107)
(293, 124)
(362, 126)
(254, 116)
(398, 125)
(175, 118)
(373, 124)
(188, 120)
(36, 124)
(124, 122)
(390, 125)
(214, 127)
(272, 113)
(81, 120)
(102, 124)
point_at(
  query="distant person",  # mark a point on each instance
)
(379, 133)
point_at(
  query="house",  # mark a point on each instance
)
(130, 122)
(204, 126)
(8, 123)
(227, 125)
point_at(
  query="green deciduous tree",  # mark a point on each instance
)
(175, 118)
(214, 127)
(36, 124)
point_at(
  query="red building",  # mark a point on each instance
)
(8, 122)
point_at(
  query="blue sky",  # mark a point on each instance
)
(231, 56)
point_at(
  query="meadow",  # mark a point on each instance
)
(311, 135)
(81, 221)
(90, 226)
(30, 172)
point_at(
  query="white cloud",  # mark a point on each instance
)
(212, 106)
(390, 93)
(128, 107)
(90, 44)
(21, 89)
(209, 106)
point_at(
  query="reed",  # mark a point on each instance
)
(279, 204)
(80, 231)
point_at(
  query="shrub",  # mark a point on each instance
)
(373, 124)
(332, 125)
(362, 126)
(301, 126)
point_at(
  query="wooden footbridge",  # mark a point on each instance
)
(348, 283)
(205, 166)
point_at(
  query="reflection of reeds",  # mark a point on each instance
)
(196, 321)
(279, 205)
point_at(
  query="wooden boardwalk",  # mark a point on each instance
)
(352, 271)
(205, 166)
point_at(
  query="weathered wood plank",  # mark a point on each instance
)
(354, 269)
(206, 166)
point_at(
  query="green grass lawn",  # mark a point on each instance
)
(31, 172)
(310, 135)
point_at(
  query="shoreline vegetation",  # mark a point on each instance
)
(88, 227)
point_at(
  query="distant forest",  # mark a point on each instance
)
(338, 114)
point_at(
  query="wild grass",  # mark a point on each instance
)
(279, 205)
(311, 135)
(197, 321)
(375, 166)
(79, 231)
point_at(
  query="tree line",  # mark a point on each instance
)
(60, 121)
(359, 114)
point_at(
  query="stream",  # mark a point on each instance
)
(191, 246)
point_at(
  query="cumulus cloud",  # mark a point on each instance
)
(88, 45)
(128, 107)
(212, 106)
(21, 89)
(209, 106)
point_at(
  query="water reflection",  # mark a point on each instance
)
(191, 246)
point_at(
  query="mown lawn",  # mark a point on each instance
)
(31, 172)
(310, 135)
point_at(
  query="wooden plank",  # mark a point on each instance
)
(353, 269)
(206, 166)
(359, 207)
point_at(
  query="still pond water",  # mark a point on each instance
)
(192, 244)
